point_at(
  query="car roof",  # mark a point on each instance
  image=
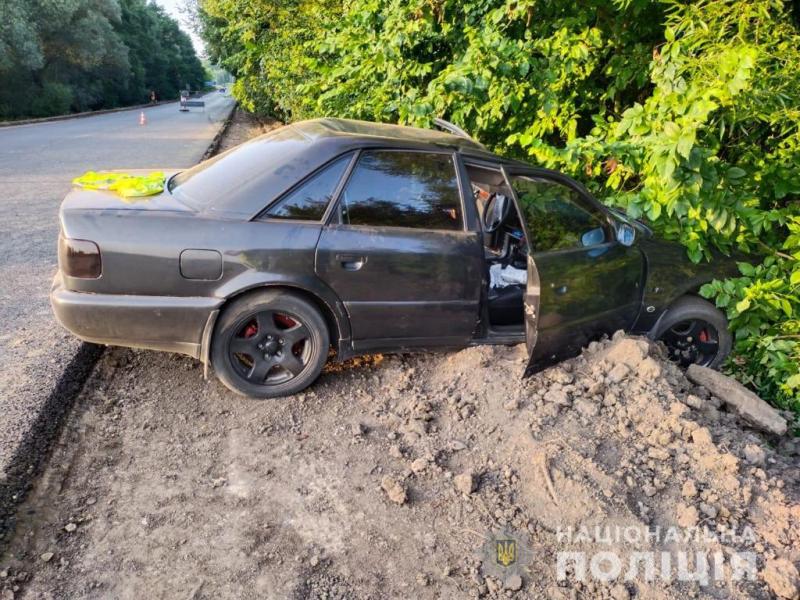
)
(243, 180)
(317, 129)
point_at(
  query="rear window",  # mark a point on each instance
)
(239, 168)
(309, 201)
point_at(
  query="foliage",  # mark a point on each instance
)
(75, 55)
(763, 307)
(684, 113)
(262, 43)
(54, 99)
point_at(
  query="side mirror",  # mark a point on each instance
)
(593, 237)
(626, 234)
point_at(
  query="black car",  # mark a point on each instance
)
(366, 237)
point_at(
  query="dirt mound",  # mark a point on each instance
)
(427, 476)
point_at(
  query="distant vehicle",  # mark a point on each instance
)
(222, 89)
(369, 237)
(189, 100)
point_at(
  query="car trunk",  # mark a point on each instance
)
(140, 237)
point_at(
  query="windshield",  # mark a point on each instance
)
(238, 169)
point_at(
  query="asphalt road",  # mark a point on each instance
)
(37, 163)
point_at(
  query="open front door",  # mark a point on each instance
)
(532, 292)
(532, 289)
(584, 284)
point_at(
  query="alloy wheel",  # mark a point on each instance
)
(692, 341)
(270, 347)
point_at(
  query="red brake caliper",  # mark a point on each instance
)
(284, 321)
(287, 322)
(703, 336)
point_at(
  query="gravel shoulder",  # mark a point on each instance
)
(243, 127)
(396, 476)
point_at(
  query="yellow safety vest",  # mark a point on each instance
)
(124, 184)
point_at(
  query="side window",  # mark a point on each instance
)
(309, 201)
(403, 189)
(557, 217)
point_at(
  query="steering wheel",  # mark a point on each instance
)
(496, 212)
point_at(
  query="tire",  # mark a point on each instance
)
(269, 343)
(690, 329)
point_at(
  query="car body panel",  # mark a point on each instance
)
(168, 323)
(587, 293)
(671, 274)
(532, 299)
(141, 253)
(197, 263)
(429, 281)
(89, 200)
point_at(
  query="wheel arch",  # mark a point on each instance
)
(657, 303)
(690, 292)
(670, 276)
(338, 326)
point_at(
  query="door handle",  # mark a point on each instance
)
(351, 262)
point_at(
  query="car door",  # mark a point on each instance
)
(398, 254)
(590, 284)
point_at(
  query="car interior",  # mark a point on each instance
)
(505, 247)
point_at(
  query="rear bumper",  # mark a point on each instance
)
(169, 323)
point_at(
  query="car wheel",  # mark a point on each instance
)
(695, 332)
(269, 343)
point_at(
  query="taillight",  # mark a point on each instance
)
(79, 258)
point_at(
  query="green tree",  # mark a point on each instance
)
(76, 55)
(264, 43)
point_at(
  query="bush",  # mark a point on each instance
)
(763, 306)
(54, 99)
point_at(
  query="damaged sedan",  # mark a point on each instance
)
(336, 238)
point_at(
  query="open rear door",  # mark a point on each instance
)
(533, 288)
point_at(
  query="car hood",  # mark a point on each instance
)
(85, 199)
